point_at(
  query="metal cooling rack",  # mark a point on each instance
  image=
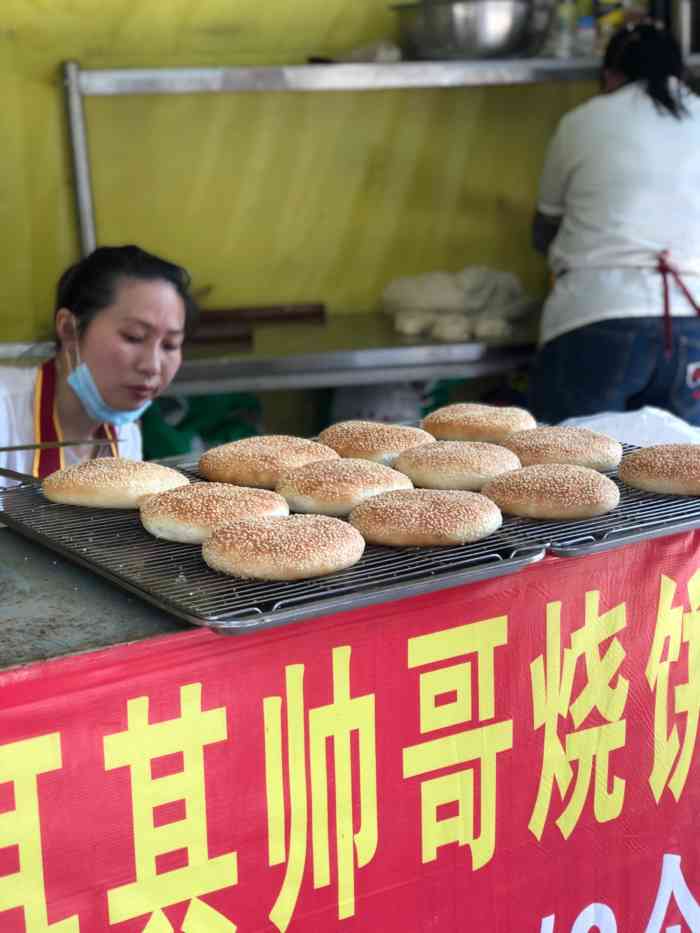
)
(174, 577)
(112, 543)
(640, 516)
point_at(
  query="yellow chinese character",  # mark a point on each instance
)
(20, 763)
(338, 721)
(474, 745)
(137, 747)
(673, 628)
(552, 689)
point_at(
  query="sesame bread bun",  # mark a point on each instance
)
(292, 548)
(470, 421)
(190, 513)
(578, 446)
(669, 469)
(110, 482)
(554, 491)
(455, 464)
(426, 517)
(372, 440)
(260, 461)
(335, 487)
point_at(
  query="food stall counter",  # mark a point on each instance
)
(446, 761)
(51, 608)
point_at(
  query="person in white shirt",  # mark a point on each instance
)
(121, 315)
(619, 217)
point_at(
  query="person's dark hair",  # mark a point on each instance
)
(647, 53)
(90, 285)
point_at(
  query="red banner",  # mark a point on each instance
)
(514, 755)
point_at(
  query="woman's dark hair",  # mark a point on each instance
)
(90, 285)
(647, 53)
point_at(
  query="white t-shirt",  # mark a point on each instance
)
(625, 179)
(17, 425)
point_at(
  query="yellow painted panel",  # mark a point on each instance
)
(267, 197)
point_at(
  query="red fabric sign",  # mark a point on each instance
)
(519, 754)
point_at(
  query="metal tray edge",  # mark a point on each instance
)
(382, 595)
(610, 544)
(342, 603)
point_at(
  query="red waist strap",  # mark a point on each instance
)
(47, 428)
(666, 268)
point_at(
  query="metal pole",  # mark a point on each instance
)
(81, 158)
(682, 23)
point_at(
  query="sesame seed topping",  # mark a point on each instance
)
(358, 438)
(479, 415)
(294, 547)
(269, 449)
(334, 479)
(668, 469)
(564, 441)
(436, 511)
(668, 461)
(259, 461)
(207, 504)
(460, 455)
(105, 473)
(555, 484)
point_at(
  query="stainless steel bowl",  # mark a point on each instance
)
(435, 29)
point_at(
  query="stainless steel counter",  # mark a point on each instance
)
(349, 349)
(50, 608)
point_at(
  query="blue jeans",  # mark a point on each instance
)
(618, 365)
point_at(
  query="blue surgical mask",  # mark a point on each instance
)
(81, 382)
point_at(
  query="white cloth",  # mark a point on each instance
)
(624, 178)
(477, 302)
(645, 427)
(17, 424)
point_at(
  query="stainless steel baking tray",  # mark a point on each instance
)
(644, 516)
(640, 516)
(175, 578)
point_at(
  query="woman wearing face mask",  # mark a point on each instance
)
(619, 218)
(121, 315)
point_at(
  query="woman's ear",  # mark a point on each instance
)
(66, 327)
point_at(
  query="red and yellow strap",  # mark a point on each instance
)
(47, 428)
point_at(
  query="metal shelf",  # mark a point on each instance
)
(81, 83)
(348, 349)
(341, 77)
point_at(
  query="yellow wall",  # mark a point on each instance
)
(267, 197)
